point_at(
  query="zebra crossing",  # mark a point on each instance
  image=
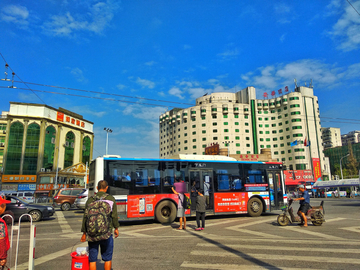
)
(262, 250)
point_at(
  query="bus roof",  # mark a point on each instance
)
(197, 158)
(337, 183)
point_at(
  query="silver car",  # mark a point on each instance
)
(81, 199)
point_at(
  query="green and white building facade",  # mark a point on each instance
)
(244, 124)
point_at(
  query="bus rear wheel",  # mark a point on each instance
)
(255, 207)
(165, 212)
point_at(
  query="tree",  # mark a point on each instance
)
(351, 164)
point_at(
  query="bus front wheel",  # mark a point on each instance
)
(255, 207)
(165, 212)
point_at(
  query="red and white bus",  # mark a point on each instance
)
(142, 187)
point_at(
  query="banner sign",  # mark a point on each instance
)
(19, 178)
(26, 187)
(297, 177)
(317, 169)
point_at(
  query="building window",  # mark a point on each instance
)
(226, 137)
(86, 150)
(49, 147)
(194, 140)
(226, 123)
(214, 123)
(225, 116)
(237, 130)
(31, 149)
(69, 149)
(226, 130)
(14, 148)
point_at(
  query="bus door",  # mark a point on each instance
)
(202, 179)
(276, 190)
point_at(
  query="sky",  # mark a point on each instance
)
(121, 64)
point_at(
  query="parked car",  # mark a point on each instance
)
(81, 199)
(65, 197)
(18, 206)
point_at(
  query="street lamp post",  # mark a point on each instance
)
(228, 146)
(342, 177)
(107, 138)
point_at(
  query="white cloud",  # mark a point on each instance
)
(347, 28)
(78, 75)
(282, 38)
(120, 86)
(175, 91)
(16, 14)
(323, 75)
(229, 54)
(94, 19)
(145, 83)
(197, 92)
(150, 63)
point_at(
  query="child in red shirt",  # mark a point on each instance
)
(4, 238)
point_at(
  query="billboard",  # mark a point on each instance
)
(297, 177)
(317, 169)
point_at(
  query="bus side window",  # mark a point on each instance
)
(224, 183)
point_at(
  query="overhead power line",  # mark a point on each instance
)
(103, 93)
(74, 95)
(353, 7)
(14, 74)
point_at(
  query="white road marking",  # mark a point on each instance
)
(352, 229)
(271, 248)
(236, 267)
(334, 219)
(304, 230)
(51, 256)
(236, 227)
(260, 234)
(65, 227)
(266, 257)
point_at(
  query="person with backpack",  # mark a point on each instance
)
(100, 218)
(180, 208)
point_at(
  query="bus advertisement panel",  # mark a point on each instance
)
(143, 187)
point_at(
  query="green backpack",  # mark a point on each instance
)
(187, 202)
(98, 219)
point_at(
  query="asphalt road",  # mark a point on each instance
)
(228, 242)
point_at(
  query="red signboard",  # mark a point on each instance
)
(317, 169)
(231, 202)
(297, 177)
(60, 116)
(249, 157)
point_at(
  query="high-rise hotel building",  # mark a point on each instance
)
(244, 124)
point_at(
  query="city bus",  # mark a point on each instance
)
(143, 187)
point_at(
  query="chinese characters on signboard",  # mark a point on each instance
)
(68, 119)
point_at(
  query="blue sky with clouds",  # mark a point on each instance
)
(156, 55)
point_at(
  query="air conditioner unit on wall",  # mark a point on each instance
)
(42, 170)
(4, 131)
(2, 144)
(48, 170)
